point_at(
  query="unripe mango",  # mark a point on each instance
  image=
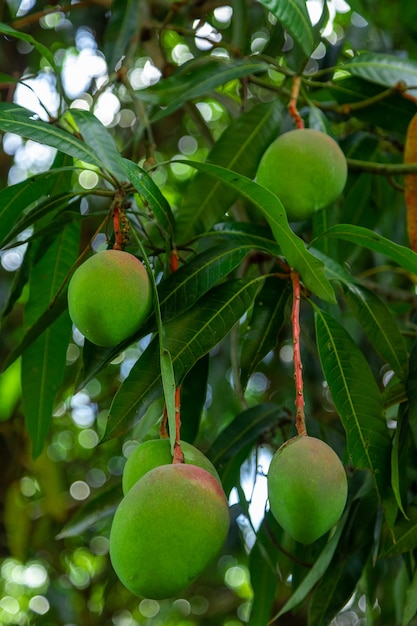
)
(109, 296)
(155, 452)
(307, 488)
(306, 169)
(167, 529)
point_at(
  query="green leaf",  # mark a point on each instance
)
(239, 148)
(356, 397)
(316, 572)
(263, 576)
(405, 533)
(405, 257)
(400, 441)
(150, 192)
(411, 386)
(244, 430)
(43, 363)
(168, 386)
(188, 337)
(383, 69)
(393, 112)
(380, 326)
(16, 198)
(410, 607)
(94, 511)
(193, 398)
(97, 138)
(49, 207)
(181, 289)
(45, 320)
(293, 15)
(333, 269)
(194, 79)
(310, 268)
(336, 588)
(123, 23)
(268, 317)
(9, 31)
(16, 119)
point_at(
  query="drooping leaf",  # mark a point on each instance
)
(193, 398)
(18, 120)
(405, 257)
(263, 576)
(49, 207)
(405, 533)
(410, 607)
(411, 387)
(9, 31)
(316, 572)
(268, 317)
(399, 452)
(150, 193)
(239, 148)
(92, 512)
(356, 397)
(188, 337)
(48, 317)
(380, 326)
(44, 361)
(123, 23)
(392, 112)
(244, 430)
(16, 198)
(383, 69)
(309, 267)
(293, 15)
(194, 79)
(181, 289)
(97, 137)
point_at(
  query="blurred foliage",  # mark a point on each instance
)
(170, 106)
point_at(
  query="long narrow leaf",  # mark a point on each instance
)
(183, 288)
(309, 266)
(293, 15)
(98, 138)
(16, 198)
(188, 337)
(122, 25)
(198, 79)
(9, 31)
(239, 148)
(383, 69)
(380, 327)
(356, 397)
(18, 120)
(43, 363)
(405, 257)
(150, 193)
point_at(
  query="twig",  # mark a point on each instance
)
(292, 106)
(298, 368)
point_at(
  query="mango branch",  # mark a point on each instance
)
(382, 169)
(298, 368)
(292, 106)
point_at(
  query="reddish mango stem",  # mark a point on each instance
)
(298, 367)
(292, 106)
(178, 453)
(118, 244)
(173, 260)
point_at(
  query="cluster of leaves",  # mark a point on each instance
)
(221, 319)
